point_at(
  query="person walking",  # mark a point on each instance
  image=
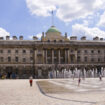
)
(79, 81)
(31, 81)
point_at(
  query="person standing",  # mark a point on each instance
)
(79, 81)
(31, 81)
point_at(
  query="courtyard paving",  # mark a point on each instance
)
(18, 92)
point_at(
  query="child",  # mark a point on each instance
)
(31, 81)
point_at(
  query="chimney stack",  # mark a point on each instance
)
(73, 38)
(83, 38)
(35, 38)
(1, 38)
(96, 38)
(21, 37)
(7, 37)
(101, 38)
(14, 38)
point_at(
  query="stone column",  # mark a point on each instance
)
(35, 57)
(75, 56)
(59, 60)
(68, 54)
(46, 56)
(52, 56)
(43, 56)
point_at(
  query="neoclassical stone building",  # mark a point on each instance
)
(53, 51)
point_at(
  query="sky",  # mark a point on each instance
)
(32, 17)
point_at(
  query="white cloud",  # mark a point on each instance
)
(66, 10)
(81, 30)
(39, 35)
(85, 23)
(4, 33)
(30, 37)
(102, 20)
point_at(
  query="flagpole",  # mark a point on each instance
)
(52, 18)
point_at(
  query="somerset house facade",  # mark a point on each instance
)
(53, 52)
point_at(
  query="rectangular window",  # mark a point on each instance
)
(72, 51)
(24, 59)
(78, 51)
(92, 59)
(1, 51)
(16, 59)
(24, 51)
(1, 59)
(31, 51)
(9, 59)
(92, 51)
(78, 58)
(9, 51)
(99, 51)
(85, 59)
(99, 60)
(16, 51)
(31, 59)
(85, 51)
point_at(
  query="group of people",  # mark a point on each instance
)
(8, 75)
(79, 79)
(2, 76)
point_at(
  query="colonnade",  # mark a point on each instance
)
(58, 57)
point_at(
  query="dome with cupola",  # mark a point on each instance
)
(53, 34)
(53, 29)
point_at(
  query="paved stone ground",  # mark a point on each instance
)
(18, 92)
